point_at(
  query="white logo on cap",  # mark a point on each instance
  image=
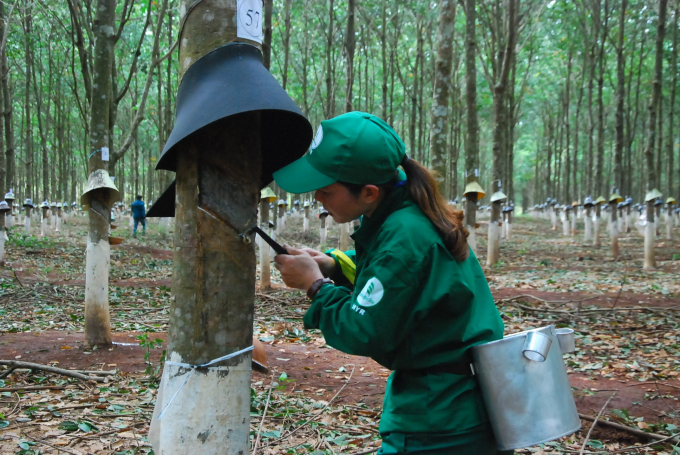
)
(317, 139)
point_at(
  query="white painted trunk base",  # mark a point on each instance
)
(669, 227)
(322, 235)
(58, 224)
(553, 219)
(493, 252)
(43, 227)
(279, 225)
(2, 249)
(596, 236)
(573, 225)
(265, 265)
(588, 231)
(650, 236)
(344, 236)
(508, 230)
(472, 239)
(329, 222)
(208, 416)
(27, 224)
(305, 226)
(97, 264)
(9, 221)
(565, 227)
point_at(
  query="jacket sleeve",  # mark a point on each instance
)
(345, 267)
(376, 317)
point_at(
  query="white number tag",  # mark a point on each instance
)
(249, 25)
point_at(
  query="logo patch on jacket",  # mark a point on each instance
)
(372, 293)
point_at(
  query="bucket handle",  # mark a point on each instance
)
(536, 346)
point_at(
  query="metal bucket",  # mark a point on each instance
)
(525, 388)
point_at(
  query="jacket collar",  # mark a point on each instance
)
(395, 200)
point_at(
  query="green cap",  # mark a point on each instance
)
(355, 147)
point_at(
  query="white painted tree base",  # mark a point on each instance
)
(565, 227)
(27, 225)
(596, 235)
(322, 236)
(2, 249)
(279, 225)
(344, 236)
(43, 227)
(650, 237)
(97, 265)
(210, 415)
(573, 225)
(493, 252)
(329, 222)
(472, 239)
(305, 226)
(588, 231)
(58, 224)
(508, 230)
(265, 261)
(9, 221)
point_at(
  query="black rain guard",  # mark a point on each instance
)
(164, 207)
(229, 81)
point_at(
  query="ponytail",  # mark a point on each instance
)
(449, 222)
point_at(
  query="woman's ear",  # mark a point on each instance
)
(370, 193)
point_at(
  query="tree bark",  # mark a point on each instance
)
(472, 127)
(670, 144)
(97, 320)
(500, 125)
(350, 45)
(440, 103)
(649, 261)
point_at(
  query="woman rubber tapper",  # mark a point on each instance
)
(412, 296)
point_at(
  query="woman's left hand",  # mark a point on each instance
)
(298, 269)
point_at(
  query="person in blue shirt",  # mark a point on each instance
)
(139, 215)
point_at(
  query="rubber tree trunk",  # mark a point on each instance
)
(440, 104)
(508, 225)
(650, 235)
(43, 221)
(596, 238)
(279, 224)
(98, 252)
(669, 222)
(305, 222)
(344, 236)
(614, 230)
(213, 284)
(322, 233)
(27, 221)
(494, 247)
(2, 238)
(265, 265)
(471, 219)
(472, 126)
(565, 222)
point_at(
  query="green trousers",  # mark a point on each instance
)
(478, 441)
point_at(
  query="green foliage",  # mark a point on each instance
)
(146, 342)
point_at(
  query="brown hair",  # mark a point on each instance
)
(425, 193)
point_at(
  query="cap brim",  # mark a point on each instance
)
(301, 177)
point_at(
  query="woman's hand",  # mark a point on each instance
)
(326, 263)
(298, 268)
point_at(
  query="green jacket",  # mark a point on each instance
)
(413, 307)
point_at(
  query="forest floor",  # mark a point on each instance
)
(320, 400)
